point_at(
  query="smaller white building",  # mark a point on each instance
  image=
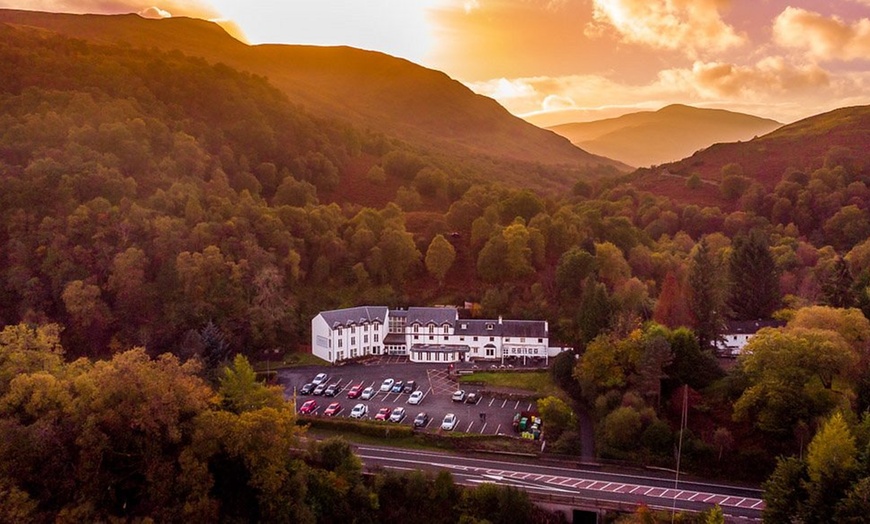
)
(738, 333)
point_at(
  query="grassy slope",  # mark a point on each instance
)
(802, 145)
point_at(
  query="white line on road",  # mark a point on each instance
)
(503, 403)
(518, 405)
(483, 428)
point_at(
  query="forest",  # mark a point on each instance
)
(153, 200)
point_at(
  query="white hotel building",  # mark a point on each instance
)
(425, 334)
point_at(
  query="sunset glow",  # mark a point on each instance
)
(552, 60)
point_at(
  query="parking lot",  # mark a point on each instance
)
(487, 415)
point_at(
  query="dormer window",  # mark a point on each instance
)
(463, 326)
(489, 327)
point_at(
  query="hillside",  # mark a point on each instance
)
(372, 90)
(653, 137)
(803, 145)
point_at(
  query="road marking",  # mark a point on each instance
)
(606, 486)
(645, 493)
(518, 405)
(498, 429)
(756, 504)
(483, 428)
(634, 489)
(491, 401)
(469, 427)
(693, 496)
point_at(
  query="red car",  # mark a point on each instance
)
(309, 407)
(355, 391)
(332, 409)
(383, 414)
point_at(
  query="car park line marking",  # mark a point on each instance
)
(469, 427)
(693, 496)
(634, 489)
(530, 407)
(483, 428)
(756, 504)
(498, 429)
(503, 403)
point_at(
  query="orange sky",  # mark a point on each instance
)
(562, 60)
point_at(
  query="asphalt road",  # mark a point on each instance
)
(532, 476)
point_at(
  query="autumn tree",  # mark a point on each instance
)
(440, 257)
(671, 308)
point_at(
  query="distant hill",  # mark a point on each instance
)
(839, 137)
(369, 89)
(653, 137)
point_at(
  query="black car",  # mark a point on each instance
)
(410, 387)
(421, 420)
(306, 389)
(397, 387)
(332, 390)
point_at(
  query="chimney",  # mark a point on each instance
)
(499, 320)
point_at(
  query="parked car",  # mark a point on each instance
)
(320, 379)
(383, 414)
(387, 384)
(319, 389)
(309, 407)
(397, 387)
(472, 398)
(458, 396)
(415, 398)
(355, 391)
(368, 393)
(449, 422)
(306, 389)
(410, 387)
(332, 409)
(332, 390)
(421, 420)
(398, 415)
(359, 411)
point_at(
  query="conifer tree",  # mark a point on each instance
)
(706, 295)
(753, 278)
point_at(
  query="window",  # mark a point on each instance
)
(490, 352)
(431, 337)
(340, 341)
(489, 327)
(540, 340)
(463, 326)
(365, 339)
(376, 337)
(522, 339)
(507, 339)
(462, 339)
(492, 339)
(431, 328)
(352, 341)
(447, 338)
(339, 331)
(416, 328)
(446, 329)
(475, 339)
(416, 337)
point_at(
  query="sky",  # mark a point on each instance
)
(555, 61)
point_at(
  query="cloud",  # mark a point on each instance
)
(692, 26)
(154, 12)
(471, 5)
(768, 77)
(826, 38)
(772, 87)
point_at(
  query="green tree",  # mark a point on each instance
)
(754, 281)
(574, 266)
(621, 428)
(784, 492)
(241, 391)
(595, 310)
(440, 257)
(791, 375)
(832, 452)
(558, 415)
(837, 285)
(706, 295)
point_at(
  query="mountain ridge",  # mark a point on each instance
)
(671, 133)
(383, 93)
